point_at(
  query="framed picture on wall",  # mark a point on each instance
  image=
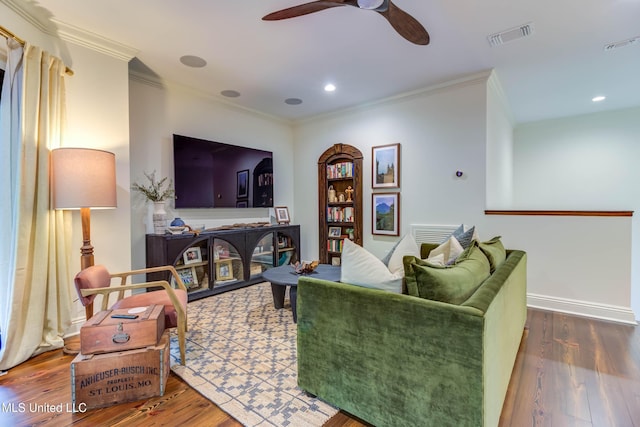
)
(385, 209)
(385, 166)
(242, 181)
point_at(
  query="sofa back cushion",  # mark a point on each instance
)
(494, 251)
(451, 284)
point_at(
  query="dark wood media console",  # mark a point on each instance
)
(221, 260)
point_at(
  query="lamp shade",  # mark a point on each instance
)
(83, 178)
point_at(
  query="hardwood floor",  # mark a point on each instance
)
(570, 371)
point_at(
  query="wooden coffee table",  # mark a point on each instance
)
(283, 276)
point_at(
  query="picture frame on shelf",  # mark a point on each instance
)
(188, 276)
(335, 231)
(224, 270)
(385, 164)
(385, 214)
(282, 215)
(242, 203)
(192, 255)
(242, 184)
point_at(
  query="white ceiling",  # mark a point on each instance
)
(553, 73)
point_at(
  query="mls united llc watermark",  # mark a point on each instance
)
(22, 407)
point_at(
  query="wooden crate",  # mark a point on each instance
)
(101, 380)
(103, 334)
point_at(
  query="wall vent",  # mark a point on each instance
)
(621, 44)
(428, 233)
(511, 34)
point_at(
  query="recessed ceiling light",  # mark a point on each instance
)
(329, 87)
(293, 101)
(598, 98)
(230, 93)
(193, 61)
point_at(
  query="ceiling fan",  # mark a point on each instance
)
(406, 25)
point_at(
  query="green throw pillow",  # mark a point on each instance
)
(451, 284)
(494, 251)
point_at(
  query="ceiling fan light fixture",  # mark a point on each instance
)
(329, 87)
(370, 4)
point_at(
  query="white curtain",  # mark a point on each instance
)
(35, 300)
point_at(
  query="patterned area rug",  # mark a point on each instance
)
(241, 355)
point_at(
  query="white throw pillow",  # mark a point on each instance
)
(360, 267)
(406, 246)
(450, 250)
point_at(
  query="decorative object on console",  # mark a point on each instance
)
(177, 222)
(154, 192)
(385, 166)
(159, 218)
(385, 209)
(192, 255)
(282, 215)
(157, 193)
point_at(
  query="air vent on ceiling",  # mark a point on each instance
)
(623, 43)
(511, 34)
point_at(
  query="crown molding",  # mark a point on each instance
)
(477, 78)
(93, 41)
(159, 83)
(70, 33)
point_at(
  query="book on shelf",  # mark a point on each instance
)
(336, 214)
(334, 245)
(340, 170)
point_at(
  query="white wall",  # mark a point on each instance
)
(440, 131)
(466, 126)
(499, 147)
(160, 110)
(586, 162)
(97, 117)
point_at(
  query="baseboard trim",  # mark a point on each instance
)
(74, 329)
(607, 312)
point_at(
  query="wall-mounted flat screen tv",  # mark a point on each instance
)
(209, 174)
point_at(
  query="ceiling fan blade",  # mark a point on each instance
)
(304, 9)
(406, 25)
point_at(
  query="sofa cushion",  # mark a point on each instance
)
(452, 284)
(494, 251)
(360, 267)
(450, 250)
(465, 236)
(407, 246)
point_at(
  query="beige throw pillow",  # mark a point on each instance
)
(450, 250)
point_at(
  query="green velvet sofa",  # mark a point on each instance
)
(398, 360)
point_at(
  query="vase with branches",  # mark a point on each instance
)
(155, 191)
(158, 192)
